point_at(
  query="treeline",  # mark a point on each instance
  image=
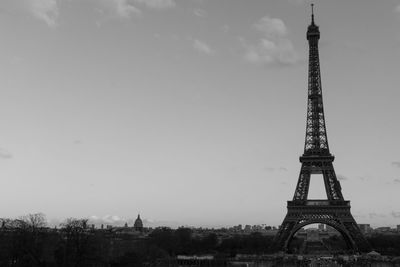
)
(183, 241)
(28, 241)
(165, 243)
(385, 244)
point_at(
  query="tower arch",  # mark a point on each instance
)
(337, 226)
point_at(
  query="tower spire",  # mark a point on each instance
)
(312, 14)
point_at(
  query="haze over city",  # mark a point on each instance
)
(192, 112)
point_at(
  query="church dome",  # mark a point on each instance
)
(138, 223)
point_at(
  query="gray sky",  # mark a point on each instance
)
(193, 110)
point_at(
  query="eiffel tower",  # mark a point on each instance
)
(316, 159)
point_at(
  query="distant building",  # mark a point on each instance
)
(330, 229)
(257, 228)
(382, 229)
(313, 235)
(237, 228)
(138, 225)
(398, 228)
(365, 228)
(302, 230)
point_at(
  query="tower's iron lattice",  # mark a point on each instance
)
(316, 159)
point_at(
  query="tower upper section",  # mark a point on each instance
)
(312, 30)
(316, 142)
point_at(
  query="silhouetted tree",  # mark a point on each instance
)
(27, 239)
(184, 240)
(208, 244)
(74, 248)
(385, 244)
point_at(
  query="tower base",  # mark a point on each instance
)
(335, 213)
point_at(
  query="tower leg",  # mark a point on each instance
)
(282, 237)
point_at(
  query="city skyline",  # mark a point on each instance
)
(193, 111)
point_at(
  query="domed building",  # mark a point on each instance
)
(138, 225)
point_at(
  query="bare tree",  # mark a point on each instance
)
(25, 237)
(75, 246)
(34, 221)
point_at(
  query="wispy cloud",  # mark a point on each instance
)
(110, 9)
(107, 220)
(274, 47)
(272, 28)
(157, 3)
(299, 2)
(4, 154)
(48, 11)
(397, 181)
(396, 164)
(376, 215)
(397, 9)
(202, 47)
(342, 177)
(125, 9)
(225, 28)
(365, 178)
(395, 214)
(200, 12)
(280, 169)
(45, 10)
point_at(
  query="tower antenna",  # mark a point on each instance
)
(312, 13)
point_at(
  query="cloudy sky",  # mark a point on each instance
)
(193, 111)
